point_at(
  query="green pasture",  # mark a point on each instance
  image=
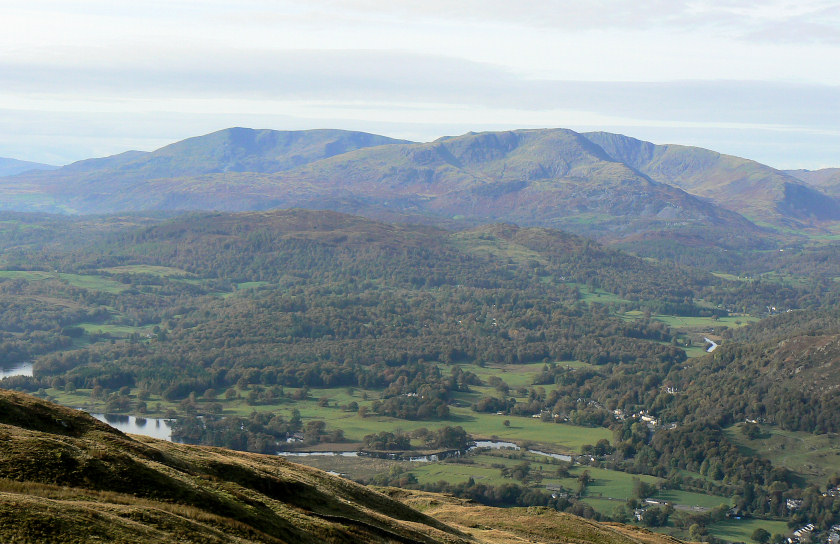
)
(687, 498)
(603, 506)
(816, 457)
(456, 473)
(683, 323)
(741, 530)
(151, 270)
(29, 275)
(114, 330)
(609, 484)
(92, 283)
(599, 295)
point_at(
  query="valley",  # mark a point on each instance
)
(426, 342)
(307, 331)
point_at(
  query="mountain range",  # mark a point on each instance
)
(600, 184)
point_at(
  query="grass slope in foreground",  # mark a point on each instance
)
(65, 477)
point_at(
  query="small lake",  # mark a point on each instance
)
(17, 369)
(153, 427)
(495, 445)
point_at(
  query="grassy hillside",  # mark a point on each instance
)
(65, 477)
(762, 193)
(827, 179)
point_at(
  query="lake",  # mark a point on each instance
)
(153, 427)
(17, 369)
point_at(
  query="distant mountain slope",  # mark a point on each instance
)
(65, 477)
(827, 179)
(757, 191)
(10, 167)
(551, 177)
(97, 185)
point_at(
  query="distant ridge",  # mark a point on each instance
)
(755, 190)
(10, 167)
(230, 150)
(827, 179)
(599, 184)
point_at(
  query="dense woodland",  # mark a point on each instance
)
(266, 306)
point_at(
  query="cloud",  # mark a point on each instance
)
(381, 79)
(435, 67)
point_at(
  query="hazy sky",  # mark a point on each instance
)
(89, 78)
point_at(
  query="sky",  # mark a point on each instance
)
(88, 78)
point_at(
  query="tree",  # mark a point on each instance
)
(761, 536)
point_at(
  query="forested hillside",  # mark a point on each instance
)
(295, 329)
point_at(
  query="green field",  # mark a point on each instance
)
(451, 473)
(514, 375)
(687, 498)
(740, 530)
(599, 295)
(31, 275)
(160, 271)
(682, 323)
(121, 331)
(93, 283)
(815, 457)
(607, 484)
(730, 277)
(603, 506)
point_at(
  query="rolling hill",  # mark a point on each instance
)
(827, 179)
(122, 182)
(10, 167)
(759, 192)
(65, 477)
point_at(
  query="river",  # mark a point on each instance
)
(480, 444)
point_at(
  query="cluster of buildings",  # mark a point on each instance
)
(805, 533)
